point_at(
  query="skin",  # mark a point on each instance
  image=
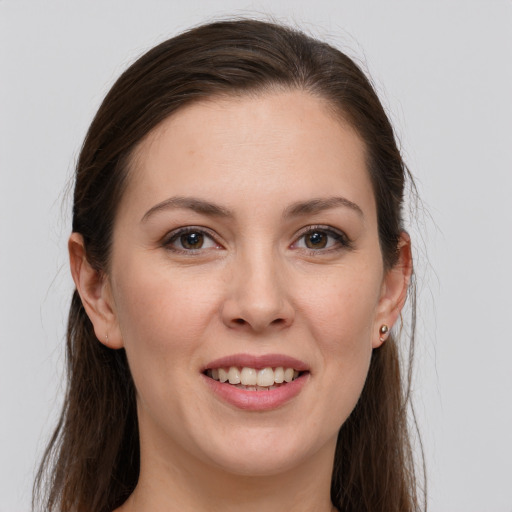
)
(254, 287)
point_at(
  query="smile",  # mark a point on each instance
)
(256, 382)
(252, 379)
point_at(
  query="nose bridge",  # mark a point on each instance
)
(258, 297)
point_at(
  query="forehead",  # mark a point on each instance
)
(280, 145)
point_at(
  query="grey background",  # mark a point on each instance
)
(443, 70)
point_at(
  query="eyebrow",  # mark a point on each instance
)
(297, 209)
(319, 205)
(190, 203)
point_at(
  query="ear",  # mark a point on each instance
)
(94, 289)
(394, 291)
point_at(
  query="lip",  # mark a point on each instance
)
(257, 400)
(258, 362)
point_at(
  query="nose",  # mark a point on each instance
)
(257, 298)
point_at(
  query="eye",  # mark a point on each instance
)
(317, 238)
(190, 239)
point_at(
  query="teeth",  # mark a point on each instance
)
(234, 375)
(252, 379)
(266, 377)
(249, 377)
(223, 375)
(288, 375)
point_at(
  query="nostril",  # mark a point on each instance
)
(277, 322)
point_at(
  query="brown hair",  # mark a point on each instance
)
(92, 461)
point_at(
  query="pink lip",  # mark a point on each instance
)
(258, 362)
(257, 400)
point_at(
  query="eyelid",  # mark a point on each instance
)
(343, 241)
(175, 234)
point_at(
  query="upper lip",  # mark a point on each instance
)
(257, 362)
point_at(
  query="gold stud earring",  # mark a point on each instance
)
(384, 329)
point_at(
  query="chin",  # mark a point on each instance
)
(258, 452)
(260, 464)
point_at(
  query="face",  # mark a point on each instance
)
(246, 248)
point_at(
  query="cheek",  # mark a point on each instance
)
(161, 317)
(162, 321)
(343, 310)
(341, 319)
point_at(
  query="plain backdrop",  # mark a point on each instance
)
(444, 71)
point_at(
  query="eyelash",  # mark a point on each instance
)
(174, 236)
(341, 241)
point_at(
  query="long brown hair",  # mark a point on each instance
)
(92, 460)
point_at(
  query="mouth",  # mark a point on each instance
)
(256, 382)
(254, 379)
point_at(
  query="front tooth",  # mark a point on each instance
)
(234, 375)
(223, 375)
(248, 376)
(279, 375)
(288, 374)
(266, 377)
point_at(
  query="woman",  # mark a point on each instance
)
(239, 262)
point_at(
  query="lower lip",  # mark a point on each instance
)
(257, 400)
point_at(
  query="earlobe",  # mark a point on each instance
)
(94, 290)
(394, 291)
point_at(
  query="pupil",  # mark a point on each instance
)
(192, 240)
(316, 240)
